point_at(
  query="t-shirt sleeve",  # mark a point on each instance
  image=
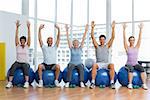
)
(43, 46)
(70, 49)
(80, 48)
(55, 46)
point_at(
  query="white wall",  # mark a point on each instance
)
(7, 34)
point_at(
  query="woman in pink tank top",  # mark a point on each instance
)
(22, 54)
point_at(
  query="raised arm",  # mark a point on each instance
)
(92, 35)
(39, 35)
(124, 37)
(29, 36)
(58, 35)
(84, 35)
(67, 34)
(140, 35)
(17, 32)
(109, 44)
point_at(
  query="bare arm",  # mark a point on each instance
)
(92, 35)
(124, 37)
(29, 36)
(67, 34)
(58, 35)
(109, 44)
(39, 35)
(140, 36)
(17, 32)
(84, 35)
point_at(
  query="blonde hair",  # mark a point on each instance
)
(75, 41)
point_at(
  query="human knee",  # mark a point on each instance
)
(40, 67)
(94, 67)
(111, 67)
(57, 67)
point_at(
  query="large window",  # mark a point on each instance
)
(13, 6)
(46, 9)
(31, 8)
(122, 10)
(63, 11)
(97, 11)
(79, 12)
(142, 9)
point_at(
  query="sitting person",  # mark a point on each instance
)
(102, 55)
(132, 56)
(75, 61)
(22, 50)
(49, 54)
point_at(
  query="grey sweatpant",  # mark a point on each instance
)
(80, 69)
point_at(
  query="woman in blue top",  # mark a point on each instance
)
(75, 61)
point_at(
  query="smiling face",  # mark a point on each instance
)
(102, 39)
(75, 43)
(49, 41)
(23, 41)
(131, 40)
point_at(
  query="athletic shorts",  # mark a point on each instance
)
(49, 67)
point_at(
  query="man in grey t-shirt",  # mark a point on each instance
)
(49, 54)
(102, 55)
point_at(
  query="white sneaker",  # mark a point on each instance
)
(130, 86)
(67, 84)
(26, 85)
(40, 85)
(144, 87)
(82, 84)
(9, 85)
(57, 83)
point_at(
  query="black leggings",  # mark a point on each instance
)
(80, 69)
(138, 67)
(24, 66)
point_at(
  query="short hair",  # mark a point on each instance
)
(22, 37)
(131, 37)
(49, 38)
(75, 40)
(102, 36)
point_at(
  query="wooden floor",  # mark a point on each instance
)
(121, 93)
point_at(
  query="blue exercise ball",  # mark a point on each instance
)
(19, 78)
(75, 76)
(89, 63)
(48, 77)
(103, 77)
(123, 77)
